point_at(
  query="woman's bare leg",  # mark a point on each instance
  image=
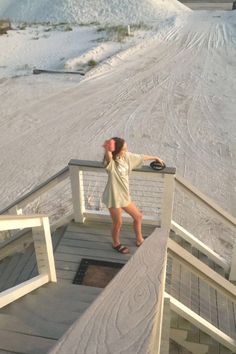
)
(132, 210)
(116, 225)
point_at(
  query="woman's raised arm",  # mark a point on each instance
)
(108, 153)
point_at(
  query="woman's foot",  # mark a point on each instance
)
(139, 242)
(121, 249)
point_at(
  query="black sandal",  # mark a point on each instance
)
(121, 249)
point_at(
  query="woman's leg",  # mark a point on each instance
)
(136, 214)
(116, 225)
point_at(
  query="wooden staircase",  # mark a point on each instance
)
(192, 339)
(32, 324)
(201, 298)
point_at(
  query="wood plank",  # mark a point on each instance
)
(213, 307)
(76, 257)
(232, 324)
(204, 293)
(12, 280)
(195, 300)
(27, 269)
(168, 274)
(22, 343)
(126, 294)
(202, 324)
(56, 239)
(185, 286)
(88, 252)
(175, 276)
(9, 270)
(223, 313)
(66, 274)
(32, 327)
(69, 266)
(107, 231)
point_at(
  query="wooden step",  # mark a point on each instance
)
(22, 343)
(31, 326)
(179, 336)
(72, 293)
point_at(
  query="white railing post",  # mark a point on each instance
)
(77, 188)
(44, 250)
(167, 202)
(155, 344)
(232, 274)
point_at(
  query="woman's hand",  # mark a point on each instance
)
(109, 145)
(160, 160)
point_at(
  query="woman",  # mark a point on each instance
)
(119, 163)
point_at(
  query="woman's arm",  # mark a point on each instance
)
(148, 157)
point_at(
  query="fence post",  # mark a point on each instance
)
(77, 188)
(44, 250)
(232, 274)
(167, 202)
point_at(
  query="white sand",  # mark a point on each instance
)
(174, 95)
(87, 11)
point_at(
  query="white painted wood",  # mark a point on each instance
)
(77, 188)
(202, 324)
(16, 245)
(62, 221)
(10, 295)
(224, 215)
(165, 335)
(38, 191)
(122, 318)
(13, 222)
(202, 270)
(167, 202)
(232, 274)
(187, 236)
(104, 216)
(156, 338)
(44, 250)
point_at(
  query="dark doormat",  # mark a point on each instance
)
(96, 273)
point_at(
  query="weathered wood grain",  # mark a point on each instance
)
(121, 320)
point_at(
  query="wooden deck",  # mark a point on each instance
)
(92, 240)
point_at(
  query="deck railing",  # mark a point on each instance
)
(151, 190)
(212, 224)
(87, 180)
(43, 251)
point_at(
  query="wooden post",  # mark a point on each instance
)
(77, 188)
(165, 336)
(168, 199)
(156, 341)
(232, 274)
(44, 250)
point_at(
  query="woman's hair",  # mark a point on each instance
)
(119, 143)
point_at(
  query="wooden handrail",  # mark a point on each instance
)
(128, 309)
(202, 270)
(43, 251)
(201, 323)
(195, 242)
(38, 190)
(99, 165)
(206, 200)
